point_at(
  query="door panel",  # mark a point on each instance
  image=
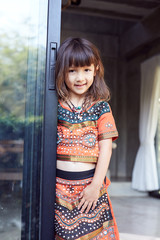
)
(26, 29)
(50, 124)
(158, 144)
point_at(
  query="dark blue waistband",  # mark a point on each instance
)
(75, 175)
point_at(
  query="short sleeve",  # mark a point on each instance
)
(106, 124)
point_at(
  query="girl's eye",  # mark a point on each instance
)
(87, 70)
(71, 70)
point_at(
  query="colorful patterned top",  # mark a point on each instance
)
(77, 138)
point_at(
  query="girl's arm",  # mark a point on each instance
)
(90, 194)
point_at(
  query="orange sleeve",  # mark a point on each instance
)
(106, 126)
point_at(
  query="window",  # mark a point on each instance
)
(23, 33)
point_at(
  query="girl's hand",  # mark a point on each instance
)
(89, 199)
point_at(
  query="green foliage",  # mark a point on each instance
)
(13, 68)
(18, 67)
(12, 127)
(21, 95)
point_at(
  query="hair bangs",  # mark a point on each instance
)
(80, 57)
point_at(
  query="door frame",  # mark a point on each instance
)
(50, 124)
(39, 172)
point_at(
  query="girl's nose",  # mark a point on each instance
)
(79, 76)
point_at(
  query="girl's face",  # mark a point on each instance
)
(79, 79)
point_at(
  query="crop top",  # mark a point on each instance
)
(77, 139)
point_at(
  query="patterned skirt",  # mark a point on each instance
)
(70, 223)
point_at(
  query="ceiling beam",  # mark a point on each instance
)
(106, 9)
(104, 14)
(114, 7)
(136, 3)
(141, 34)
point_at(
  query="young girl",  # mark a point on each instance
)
(86, 129)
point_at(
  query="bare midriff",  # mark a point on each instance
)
(74, 166)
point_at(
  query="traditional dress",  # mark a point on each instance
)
(78, 139)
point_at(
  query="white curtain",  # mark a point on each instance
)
(145, 175)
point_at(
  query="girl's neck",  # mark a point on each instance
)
(77, 101)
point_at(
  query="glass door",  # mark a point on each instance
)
(28, 45)
(158, 144)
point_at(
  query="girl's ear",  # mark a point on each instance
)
(96, 69)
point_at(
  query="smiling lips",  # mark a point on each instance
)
(77, 85)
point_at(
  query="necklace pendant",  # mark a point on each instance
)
(79, 117)
(78, 111)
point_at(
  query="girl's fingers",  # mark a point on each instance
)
(81, 195)
(84, 206)
(81, 203)
(94, 205)
(89, 207)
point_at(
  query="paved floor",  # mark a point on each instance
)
(138, 218)
(126, 236)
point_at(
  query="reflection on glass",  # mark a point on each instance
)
(158, 143)
(23, 27)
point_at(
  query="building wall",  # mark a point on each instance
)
(104, 34)
(132, 80)
(122, 74)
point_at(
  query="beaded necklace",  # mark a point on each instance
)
(77, 110)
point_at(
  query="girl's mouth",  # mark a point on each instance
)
(80, 85)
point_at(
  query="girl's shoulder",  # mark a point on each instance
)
(99, 108)
(101, 105)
